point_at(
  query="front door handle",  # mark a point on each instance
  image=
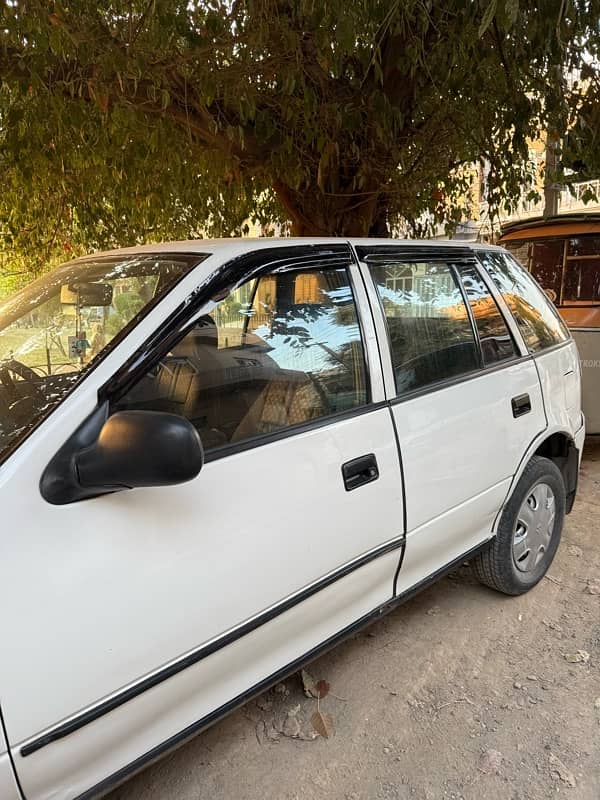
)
(521, 404)
(360, 471)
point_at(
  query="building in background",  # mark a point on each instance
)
(480, 225)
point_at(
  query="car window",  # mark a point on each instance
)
(538, 321)
(547, 266)
(431, 336)
(279, 351)
(59, 327)
(494, 335)
(582, 281)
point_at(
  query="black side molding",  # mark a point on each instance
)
(103, 707)
(192, 730)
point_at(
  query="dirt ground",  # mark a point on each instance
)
(460, 693)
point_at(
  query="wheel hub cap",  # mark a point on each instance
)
(534, 528)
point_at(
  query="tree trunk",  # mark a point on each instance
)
(313, 213)
(551, 190)
(379, 224)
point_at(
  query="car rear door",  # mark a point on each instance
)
(465, 396)
(141, 616)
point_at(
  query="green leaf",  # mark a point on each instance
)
(262, 112)
(487, 18)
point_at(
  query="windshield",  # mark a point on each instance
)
(56, 329)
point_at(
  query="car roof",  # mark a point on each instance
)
(231, 247)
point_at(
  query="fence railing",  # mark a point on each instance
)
(574, 201)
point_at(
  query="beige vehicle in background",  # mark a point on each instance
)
(563, 255)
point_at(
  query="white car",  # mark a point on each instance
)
(219, 458)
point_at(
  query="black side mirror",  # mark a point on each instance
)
(124, 451)
(141, 448)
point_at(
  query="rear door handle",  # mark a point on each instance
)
(360, 471)
(521, 404)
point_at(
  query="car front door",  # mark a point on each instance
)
(465, 396)
(140, 616)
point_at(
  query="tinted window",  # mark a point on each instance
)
(547, 266)
(279, 351)
(582, 280)
(584, 246)
(496, 341)
(430, 331)
(538, 321)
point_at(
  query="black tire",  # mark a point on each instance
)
(496, 566)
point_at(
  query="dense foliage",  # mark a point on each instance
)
(145, 119)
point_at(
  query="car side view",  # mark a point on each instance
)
(221, 457)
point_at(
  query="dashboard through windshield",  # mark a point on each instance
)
(55, 330)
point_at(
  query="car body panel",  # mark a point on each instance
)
(437, 540)
(157, 561)
(444, 433)
(453, 489)
(559, 372)
(72, 765)
(8, 786)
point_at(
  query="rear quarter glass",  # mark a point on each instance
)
(537, 318)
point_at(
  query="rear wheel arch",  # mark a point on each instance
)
(560, 448)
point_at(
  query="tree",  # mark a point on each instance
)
(155, 118)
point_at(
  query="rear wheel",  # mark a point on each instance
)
(529, 531)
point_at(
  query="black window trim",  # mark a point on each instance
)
(459, 274)
(454, 258)
(231, 275)
(379, 310)
(446, 383)
(507, 314)
(378, 253)
(456, 274)
(284, 433)
(227, 277)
